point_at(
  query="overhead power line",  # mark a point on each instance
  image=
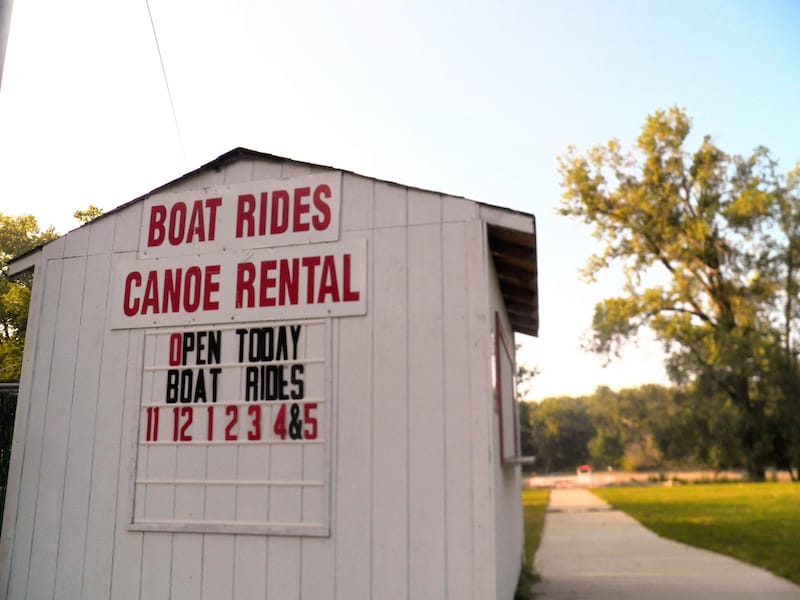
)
(5, 25)
(166, 81)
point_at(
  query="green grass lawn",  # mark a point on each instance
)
(534, 506)
(758, 523)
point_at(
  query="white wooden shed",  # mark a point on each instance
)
(273, 379)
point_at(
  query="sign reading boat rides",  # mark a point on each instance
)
(234, 285)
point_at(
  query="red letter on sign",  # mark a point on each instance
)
(289, 281)
(171, 294)
(310, 263)
(245, 283)
(328, 285)
(177, 226)
(279, 216)
(175, 349)
(156, 231)
(267, 283)
(212, 204)
(129, 307)
(323, 219)
(300, 208)
(244, 215)
(197, 224)
(191, 289)
(348, 295)
(210, 285)
(150, 301)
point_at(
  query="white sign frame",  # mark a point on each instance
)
(321, 528)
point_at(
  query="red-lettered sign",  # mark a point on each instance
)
(235, 285)
(316, 280)
(256, 214)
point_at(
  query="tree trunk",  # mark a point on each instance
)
(756, 456)
(756, 468)
(753, 431)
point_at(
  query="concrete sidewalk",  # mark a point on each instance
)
(590, 551)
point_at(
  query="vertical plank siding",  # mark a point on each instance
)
(458, 478)
(126, 547)
(60, 400)
(390, 439)
(29, 422)
(412, 441)
(75, 515)
(36, 434)
(507, 506)
(353, 401)
(426, 468)
(105, 463)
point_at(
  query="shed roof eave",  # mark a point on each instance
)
(25, 262)
(513, 251)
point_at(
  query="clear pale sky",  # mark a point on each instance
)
(475, 99)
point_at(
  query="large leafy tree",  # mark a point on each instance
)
(17, 236)
(707, 243)
(559, 430)
(623, 421)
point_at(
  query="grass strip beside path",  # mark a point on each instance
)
(534, 507)
(758, 523)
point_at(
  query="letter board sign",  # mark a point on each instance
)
(234, 286)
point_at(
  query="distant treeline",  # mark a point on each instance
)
(650, 427)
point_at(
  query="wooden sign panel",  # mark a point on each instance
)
(233, 429)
